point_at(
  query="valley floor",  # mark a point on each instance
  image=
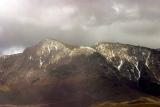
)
(141, 102)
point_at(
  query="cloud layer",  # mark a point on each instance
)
(83, 22)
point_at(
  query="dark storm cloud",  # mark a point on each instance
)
(25, 22)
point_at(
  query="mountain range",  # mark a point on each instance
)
(55, 74)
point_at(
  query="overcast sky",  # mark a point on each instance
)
(83, 22)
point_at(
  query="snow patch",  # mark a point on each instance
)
(147, 59)
(30, 57)
(139, 72)
(48, 47)
(113, 54)
(86, 47)
(56, 48)
(41, 62)
(120, 65)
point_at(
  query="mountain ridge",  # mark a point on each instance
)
(51, 70)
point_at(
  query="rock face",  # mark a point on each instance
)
(55, 73)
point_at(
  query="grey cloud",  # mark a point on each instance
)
(141, 28)
(80, 22)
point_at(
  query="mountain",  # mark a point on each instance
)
(55, 74)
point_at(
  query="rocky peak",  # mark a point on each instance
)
(46, 47)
